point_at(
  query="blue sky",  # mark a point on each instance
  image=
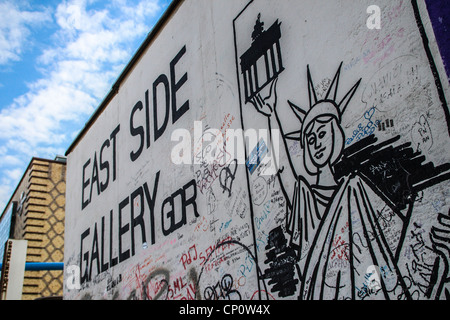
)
(58, 61)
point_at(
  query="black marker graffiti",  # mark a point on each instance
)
(282, 264)
(222, 290)
(352, 207)
(220, 246)
(227, 175)
(350, 184)
(188, 196)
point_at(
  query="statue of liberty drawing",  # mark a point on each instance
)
(350, 220)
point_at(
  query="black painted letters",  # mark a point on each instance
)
(164, 101)
(99, 178)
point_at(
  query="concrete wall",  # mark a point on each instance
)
(339, 189)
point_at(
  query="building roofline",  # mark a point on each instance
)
(174, 5)
(23, 176)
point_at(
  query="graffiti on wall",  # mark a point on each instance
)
(355, 206)
(340, 215)
(351, 211)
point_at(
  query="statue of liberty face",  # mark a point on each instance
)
(323, 140)
(320, 141)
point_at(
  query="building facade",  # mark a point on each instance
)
(38, 216)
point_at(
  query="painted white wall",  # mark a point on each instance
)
(231, 245)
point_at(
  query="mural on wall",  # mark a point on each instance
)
(317, 167)
(339, 205)
(348, 225)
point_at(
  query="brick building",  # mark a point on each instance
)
(38, 209)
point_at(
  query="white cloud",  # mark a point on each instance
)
(14, 174)
(5, 193)
(8, 183)
(10, 160)
(15, 27)
(78, 72)
(72, 15)
(90, 48)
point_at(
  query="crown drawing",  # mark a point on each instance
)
(328, 106)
